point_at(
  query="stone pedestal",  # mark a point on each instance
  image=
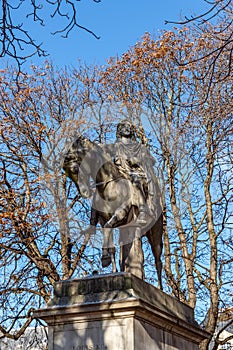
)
(118, 312)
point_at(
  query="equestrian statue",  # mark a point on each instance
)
(126, 196)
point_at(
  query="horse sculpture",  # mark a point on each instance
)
(113, 206)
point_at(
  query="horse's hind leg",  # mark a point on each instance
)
(155, 239)
(108, 251)
(112, 252)
(131, 253)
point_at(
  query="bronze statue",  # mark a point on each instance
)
(134, 160)
(127, 196)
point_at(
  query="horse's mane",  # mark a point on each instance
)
(101, 150)
(106, 156)
(105, 153)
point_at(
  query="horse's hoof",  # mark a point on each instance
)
(106, 260)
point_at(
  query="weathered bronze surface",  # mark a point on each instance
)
(127, 196)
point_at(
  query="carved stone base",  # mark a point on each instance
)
(118, 312)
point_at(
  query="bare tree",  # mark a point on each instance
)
(41, 216)
(193, 147)
(215, 24)
(17, 41)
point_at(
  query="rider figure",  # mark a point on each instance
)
(134, 160)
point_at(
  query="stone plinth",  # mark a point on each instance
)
(118, 312)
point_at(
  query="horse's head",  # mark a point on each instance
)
(77, 165)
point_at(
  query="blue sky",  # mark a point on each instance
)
(119, 23)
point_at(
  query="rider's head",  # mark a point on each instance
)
(125, 128)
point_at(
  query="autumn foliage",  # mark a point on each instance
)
(186, 122)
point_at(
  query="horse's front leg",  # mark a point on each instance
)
(91, 229)
(108, 251)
